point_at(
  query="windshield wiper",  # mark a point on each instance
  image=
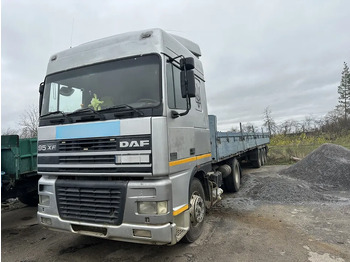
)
(55, 112)
(87, 109)
(58, 112)
(124, 106)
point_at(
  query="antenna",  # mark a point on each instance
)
(71, 36)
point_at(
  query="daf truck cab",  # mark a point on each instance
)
(124, 141)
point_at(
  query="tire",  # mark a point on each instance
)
(262, 155)
(257, 163)
(233, 181)
(30, 198)
(197, 211)
(265, 156)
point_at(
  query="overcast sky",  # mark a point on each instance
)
(287, 55)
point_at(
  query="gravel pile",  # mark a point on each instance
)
(322, 177)
(282, 190)
(278, 189)
(327, 167)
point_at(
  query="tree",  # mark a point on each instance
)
(344, 92)
(332, 122)
(308, 124)
(9, 131)
(249, 128)
(29, 122)
(234, 129)
(286, 127)
(269, 123)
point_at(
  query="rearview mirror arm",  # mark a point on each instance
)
(175, 114)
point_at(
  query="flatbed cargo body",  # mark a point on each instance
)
(226, 145)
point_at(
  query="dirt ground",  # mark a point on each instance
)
(247, 226)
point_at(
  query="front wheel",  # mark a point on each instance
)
(30, 198)
(197, 211)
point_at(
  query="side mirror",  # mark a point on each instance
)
(187, 63)
(41, 87)
(41, 92)
(188, 85)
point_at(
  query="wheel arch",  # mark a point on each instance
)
(200, 174)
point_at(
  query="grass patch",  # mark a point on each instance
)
(283, 147)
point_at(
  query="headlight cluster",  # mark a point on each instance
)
(152, 207)
(44, 200)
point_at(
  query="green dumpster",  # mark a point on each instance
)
(18, 167)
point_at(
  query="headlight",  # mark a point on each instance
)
(147, 208)
(151, 207)
(162, 207)
(44, 200)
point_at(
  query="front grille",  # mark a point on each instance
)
(91, 159)
(100, 202)
(95, 144)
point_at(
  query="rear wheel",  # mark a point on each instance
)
(233, 181)
(257, 162)
(265, 156)
(197, 211)
(262, 154)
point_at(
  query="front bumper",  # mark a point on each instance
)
(134, 227)
(159, 234)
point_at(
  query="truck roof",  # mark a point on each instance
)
(124, 45)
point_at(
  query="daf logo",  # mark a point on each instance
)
(134, 143)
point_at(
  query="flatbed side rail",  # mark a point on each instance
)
(225, 145)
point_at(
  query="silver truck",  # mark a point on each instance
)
(126, 149)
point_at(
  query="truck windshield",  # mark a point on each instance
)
(134, 82)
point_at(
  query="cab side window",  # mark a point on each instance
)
(175, 99)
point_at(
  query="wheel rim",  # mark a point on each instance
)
(197, 210)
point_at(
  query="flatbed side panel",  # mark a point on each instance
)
(228, 144)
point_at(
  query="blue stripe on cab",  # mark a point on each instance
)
(101, 129)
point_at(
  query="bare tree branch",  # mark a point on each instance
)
(269, 123)
(9, 131)
(29, 122)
